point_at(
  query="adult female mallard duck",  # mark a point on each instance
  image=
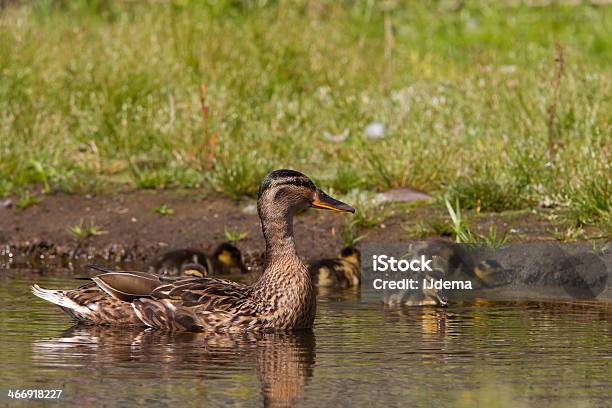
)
(343, 272)
(225, 260)
(282, 299)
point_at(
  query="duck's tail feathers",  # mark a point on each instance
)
(59, 298)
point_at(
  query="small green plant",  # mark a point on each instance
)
(600, 248)
(461, 230)
(234, 236)
(27, 200)
(369, 213)
(41, 174)
(463, 233)
(350, 233)
(485, 194)
(84, 230)
(149, 179)
(164, 210)
(347, 178)
(570, 234)
(419, 230)
(441, 228)
(435, 227)
(492, 240)
(238, 175)
(591, 201)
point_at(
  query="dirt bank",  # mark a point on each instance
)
(133, 232)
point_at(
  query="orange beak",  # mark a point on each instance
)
(326, 202)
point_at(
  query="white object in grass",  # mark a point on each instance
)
(375, 130)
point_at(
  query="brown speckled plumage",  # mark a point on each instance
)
(105, 310)
(92, 305)
(282, 299)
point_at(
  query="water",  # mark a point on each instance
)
(476, 354)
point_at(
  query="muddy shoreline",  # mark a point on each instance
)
(132, 232)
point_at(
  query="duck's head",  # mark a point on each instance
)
(351, 254)
(491, 274)
(229, 258)
(292, 191)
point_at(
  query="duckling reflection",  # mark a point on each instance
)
(283, 362)
(225, 260)
(426, 328)
(340, 272)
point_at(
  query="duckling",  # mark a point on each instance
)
(226, 259)
(282, 299)
(422, 297)
(194, 269)
(340, 272)
(173, 263)
(491, 274)
(431, 296)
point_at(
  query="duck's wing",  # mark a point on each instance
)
(131, 285)
(206, 293)
(197, 305)
(127, 286)
(180, 303)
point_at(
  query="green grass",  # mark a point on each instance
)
(436, 227)
(164, 210)
(105, 94)
(85, 229)
(569, 234)
(351, 233)
(234, 235)
(27, 200)
(462, 231)
(370, 212)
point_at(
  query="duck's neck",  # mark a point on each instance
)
(277, 229)
(285, 287)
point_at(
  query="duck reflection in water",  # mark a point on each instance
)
(283, 362)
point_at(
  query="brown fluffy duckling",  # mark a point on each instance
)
(343, 272)
(282, 299)
(491, 274)
(225, 260)
(422, 297)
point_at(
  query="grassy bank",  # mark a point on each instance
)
(499, 107)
